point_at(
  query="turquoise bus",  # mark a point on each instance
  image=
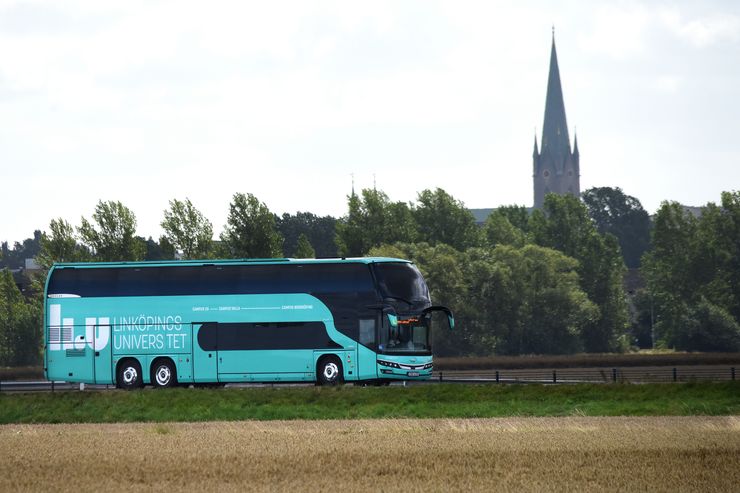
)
(261, 320)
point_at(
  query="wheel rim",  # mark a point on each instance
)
(163, 375)
(130, 375)
(331, 371)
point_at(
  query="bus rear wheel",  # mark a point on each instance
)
(163, 374)
(128, 376)
(329, 371)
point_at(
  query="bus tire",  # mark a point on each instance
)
(163, 373)
(128, 376)
(329, 371)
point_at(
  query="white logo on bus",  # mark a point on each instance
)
(62, 332)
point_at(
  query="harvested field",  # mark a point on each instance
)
(508, 454)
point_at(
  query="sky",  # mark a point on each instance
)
(146, 101)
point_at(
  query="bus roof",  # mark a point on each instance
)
(245, 261)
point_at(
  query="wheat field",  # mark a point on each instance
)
(500, 454)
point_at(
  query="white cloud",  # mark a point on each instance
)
(703, 31)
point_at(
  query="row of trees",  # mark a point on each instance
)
(251, 231)
(693, 276)
(543, 281)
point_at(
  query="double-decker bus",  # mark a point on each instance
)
(262, 320)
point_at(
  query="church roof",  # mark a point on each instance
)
(555, 128)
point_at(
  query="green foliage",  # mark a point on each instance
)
(371, 221)
(442, 219)
(320, 232)
(161, 250)
(304, 248)
(113, 239)
(498, 230)
(187, 229)
(533, 301)
(518, 216)
(349, 402)
(250, 230)
(693, 273)
(564, 224)
(60, 245)
(506, 300)
(621, 215)
(20, 325)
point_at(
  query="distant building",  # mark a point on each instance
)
(555, 168)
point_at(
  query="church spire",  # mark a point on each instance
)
(575, 145)
(555, 128)
(556, 168)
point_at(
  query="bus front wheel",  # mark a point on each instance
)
(163, 374)
(330, 371)
(129, 375)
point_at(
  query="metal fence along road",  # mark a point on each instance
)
(653, 374)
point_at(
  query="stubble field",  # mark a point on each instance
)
(507, 454)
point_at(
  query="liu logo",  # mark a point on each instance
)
(64, 334)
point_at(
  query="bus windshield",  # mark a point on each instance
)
(408, 336)
(403, 282)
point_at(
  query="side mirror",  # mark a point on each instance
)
(449, 319)
(390, 313)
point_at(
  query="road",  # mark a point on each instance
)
(639, 374)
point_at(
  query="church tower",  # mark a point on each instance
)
(556, 168)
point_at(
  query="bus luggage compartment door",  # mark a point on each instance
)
(205, 361)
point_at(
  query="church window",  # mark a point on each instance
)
(546, 173)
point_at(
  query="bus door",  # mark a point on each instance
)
(366, 358)
(99, 338)
(205, 354)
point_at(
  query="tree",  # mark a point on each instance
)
(564, 225)
(518, 216)
(187, 229)
(506, 300)
(161, 250)
(318, 230)
(692, 274)
(114, 237)
(250, 230)
(60, 245)
(498, 230)
(442, 219)
(304, 248)
(667, 269)
(530, 299)
(623, 216)
(20, 322)
(373, 220)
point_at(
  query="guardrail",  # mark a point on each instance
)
(558, 376)
(590, 375)
(47, 386)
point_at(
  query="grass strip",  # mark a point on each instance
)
(349, 402)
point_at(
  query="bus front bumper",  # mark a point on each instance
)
(398, 370)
